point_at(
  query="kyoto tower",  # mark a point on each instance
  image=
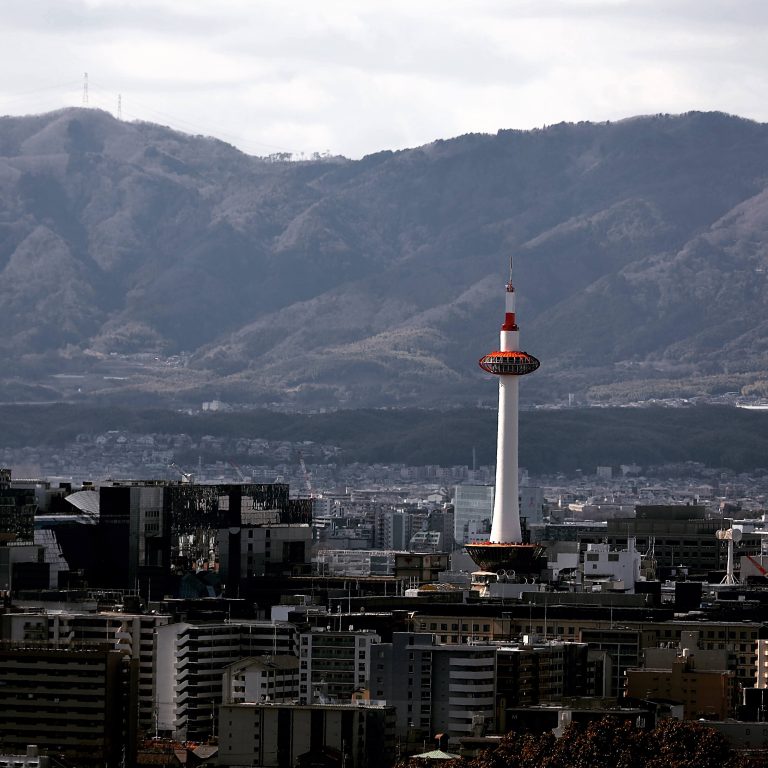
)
(506, 550)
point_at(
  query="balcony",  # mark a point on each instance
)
(485, 687)
(486, 674)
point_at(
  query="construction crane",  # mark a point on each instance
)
(240, 474)
(760, 569)
(186, 477)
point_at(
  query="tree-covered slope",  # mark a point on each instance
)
(639, 253)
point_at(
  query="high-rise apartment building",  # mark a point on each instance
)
(334, 664)
(190, 661)
(129, 634)
(77, 703)
(435, 688)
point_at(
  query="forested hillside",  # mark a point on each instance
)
(166, 268)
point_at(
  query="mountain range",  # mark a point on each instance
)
(139, 264)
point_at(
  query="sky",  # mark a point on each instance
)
(353, 77)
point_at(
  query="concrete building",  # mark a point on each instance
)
(269, 678)
(473, 504)
(148, 532)
(17, 510)
(285, 735)
(696, 679)
(265, 550)
(435, 688)
(761, 663)
(536, 672)
(191, 659)
(532, 504)
(75, 703)
(130, 634)
(678, 535)
(354, 562)
(23, 566)
(616, 568)
(585, 532)
(30, 759)
(426, 541)
(334, 664)
(442, 521)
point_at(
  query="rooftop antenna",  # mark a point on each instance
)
(119, 106)
(85, 89)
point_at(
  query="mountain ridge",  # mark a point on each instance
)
(160, 265)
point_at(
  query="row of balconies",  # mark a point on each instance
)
(471, 701)
(478, 687)
(485, 674)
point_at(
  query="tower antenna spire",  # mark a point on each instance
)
(85, 89)
(119, 106)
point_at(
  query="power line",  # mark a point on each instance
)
(195, 128)
(94, 97)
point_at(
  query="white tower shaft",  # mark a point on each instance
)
(505, 528)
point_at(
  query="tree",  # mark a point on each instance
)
(608, 743)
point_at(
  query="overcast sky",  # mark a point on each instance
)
(354, 77)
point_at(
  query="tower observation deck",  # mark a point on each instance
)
(506, 550)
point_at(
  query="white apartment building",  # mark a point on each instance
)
(191, 659)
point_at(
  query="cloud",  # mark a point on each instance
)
(357, 77)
